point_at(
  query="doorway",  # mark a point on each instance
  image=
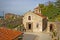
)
(29, 27)
(51, 27)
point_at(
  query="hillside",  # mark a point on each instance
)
(51, 11)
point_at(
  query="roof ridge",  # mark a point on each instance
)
(39, 14)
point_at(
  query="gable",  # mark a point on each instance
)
(37, 14)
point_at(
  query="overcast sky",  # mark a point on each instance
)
(19, 6)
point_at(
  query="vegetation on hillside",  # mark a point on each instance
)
(52, 10)
(11, 22)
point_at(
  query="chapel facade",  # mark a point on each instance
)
(34, 21)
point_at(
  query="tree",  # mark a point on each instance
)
(57, 4)
(49, 10)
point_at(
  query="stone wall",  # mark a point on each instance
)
(58, 29)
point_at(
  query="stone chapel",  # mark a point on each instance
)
(34, 21)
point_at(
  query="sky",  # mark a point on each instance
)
(19, 6)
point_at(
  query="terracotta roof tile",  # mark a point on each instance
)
(7, 34)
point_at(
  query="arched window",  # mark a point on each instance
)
(29, 17)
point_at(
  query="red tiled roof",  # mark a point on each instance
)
(39, 14)
(7, 34)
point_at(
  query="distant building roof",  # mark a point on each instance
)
(9, 14)
(7, 34)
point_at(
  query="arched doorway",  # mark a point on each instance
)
(51, 27)
(29, 27)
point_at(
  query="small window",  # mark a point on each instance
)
(37, 25)
(29, 17)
